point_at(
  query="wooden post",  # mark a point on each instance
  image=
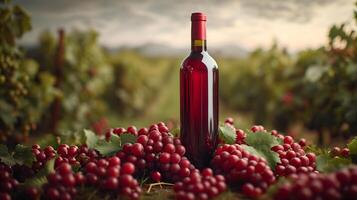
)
(56, 106)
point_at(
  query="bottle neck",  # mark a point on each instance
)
(198, 45)
(198, 36)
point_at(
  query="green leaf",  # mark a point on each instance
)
(352, 146)
(91, 138)
(227, 134)
(262, 143)
(261, 139)
(40, 177)
(176, 132)
(109, 148)
(326, 163)
(5, 156)
(252, 150)
(271, 157)
(315, 149)
(23, 155)
(127, 138)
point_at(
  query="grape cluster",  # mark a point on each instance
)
(337, 151)
(243, 170)
(62, 183)
(293, 158)
(7, 182)
(76, 156)
(339, 185)
(159, 153)
(22, 172)
(120, 130)
(109, 175)
(200, 185)
(42, 156)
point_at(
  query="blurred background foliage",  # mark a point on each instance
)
(69, 82)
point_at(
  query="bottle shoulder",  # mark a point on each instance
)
(199, 60)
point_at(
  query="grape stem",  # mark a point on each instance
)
(156, 184)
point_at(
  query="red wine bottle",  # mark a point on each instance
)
(199, 97)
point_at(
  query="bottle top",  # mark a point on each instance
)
(198, 16)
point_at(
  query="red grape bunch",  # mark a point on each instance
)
(75, 155)
(42, 156)
(7, 183)
(337, 151)
(120, 130)
(109, 175)
(159, 153)
(293, 158)
(62, 183)
(200, 185)
(243, 170)
(338, 185)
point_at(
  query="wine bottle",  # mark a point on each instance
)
(199, 97)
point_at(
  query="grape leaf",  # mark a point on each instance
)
(23, 155)
(227, 134)
(352, 146)
(5, 156)
(127, 138)
(108, 148)
(262, 143)
(252, 150)
(326, 163)
(315, 149)
(91, 138)
(271, 157)
(40, 177)
(176, 132)
(115, 143)
(261, 139)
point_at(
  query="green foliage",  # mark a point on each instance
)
(175, 132)
(14, 22)
(260, 143)
(40, 177)
(5, 156)
(22, 155)
(352, 146)
(91, 138)
(82, 75)
(315, 87)
(139, 82)
(24, 90)
(326, 163)
(115, 144)
(227, 134)
(258, 84)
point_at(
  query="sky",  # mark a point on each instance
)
(249, 24)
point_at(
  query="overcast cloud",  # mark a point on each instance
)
(295, 24)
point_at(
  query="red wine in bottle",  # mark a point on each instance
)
(199, 97)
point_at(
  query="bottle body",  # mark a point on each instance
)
(199, 107)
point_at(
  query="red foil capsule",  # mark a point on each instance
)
(198, 28)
